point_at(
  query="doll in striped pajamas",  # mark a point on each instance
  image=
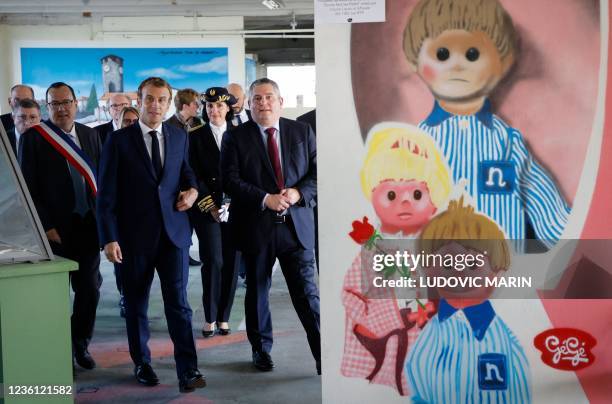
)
(461, 49)
(466, 353)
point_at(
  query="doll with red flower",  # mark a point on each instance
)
(407, 181)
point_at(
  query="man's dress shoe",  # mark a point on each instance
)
(84, 359)
(191, 380)
(263, 361)
(145, 375)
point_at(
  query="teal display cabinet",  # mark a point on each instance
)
(35, 347)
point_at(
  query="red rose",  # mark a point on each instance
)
(362, 231)
(423, 314)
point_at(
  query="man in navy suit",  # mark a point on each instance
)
(65, 203)
(269, 169)
(115, 104)
(146, 187)
(18, 92)
(241, 114)
(25, 115)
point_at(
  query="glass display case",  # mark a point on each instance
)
(22, 238)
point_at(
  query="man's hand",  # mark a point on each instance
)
(277, 202)
(186, 199)
(53, 235)
(113, 252)
(293, 195)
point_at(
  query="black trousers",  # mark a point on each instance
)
(137, 270)
(80, 244)
(220, 267)
(298, 268)
(117, 270)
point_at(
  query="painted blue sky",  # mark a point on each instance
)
(197, 68)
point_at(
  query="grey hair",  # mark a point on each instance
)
(262, 81)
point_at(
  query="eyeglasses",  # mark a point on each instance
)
(60, 104)
(119, 106)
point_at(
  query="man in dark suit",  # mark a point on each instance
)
(241, 114)
(18, 92)
(310, 118)
(65, 202)
(269, 169)
(25, 115)
(146, 187)
(186, 102)
(115, 104)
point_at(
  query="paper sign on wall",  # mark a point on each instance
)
(349, 11)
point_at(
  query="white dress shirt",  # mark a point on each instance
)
(243, 117)
(73, 136)
(148, 141)
(218, 132)
(17, 139)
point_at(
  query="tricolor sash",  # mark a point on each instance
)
(67, 148)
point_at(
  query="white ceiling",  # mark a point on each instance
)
(12, 11)
(256, 17)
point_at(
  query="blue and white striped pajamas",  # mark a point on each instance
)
(443, 365)
(467, 141)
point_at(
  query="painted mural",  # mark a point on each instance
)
(95, 73)
(476, 120)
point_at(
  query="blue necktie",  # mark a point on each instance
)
(19, 149)
(155, 155)
(238, 119)
(81, 206)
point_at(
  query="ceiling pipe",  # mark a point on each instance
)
(280, 33)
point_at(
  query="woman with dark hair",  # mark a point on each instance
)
(218, 255)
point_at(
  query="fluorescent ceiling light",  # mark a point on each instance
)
(273, 4)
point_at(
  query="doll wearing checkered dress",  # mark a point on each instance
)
(405, 178)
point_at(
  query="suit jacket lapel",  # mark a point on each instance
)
(261, 147)
(84, 141)
(137, 137)
(285, 144)
(167, 145)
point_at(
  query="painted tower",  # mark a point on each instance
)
(112, 74)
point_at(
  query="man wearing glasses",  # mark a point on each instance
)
(25, 115)
(18, 92)
(115, 104)
(64, 196)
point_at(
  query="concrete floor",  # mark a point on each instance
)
(224, 360)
